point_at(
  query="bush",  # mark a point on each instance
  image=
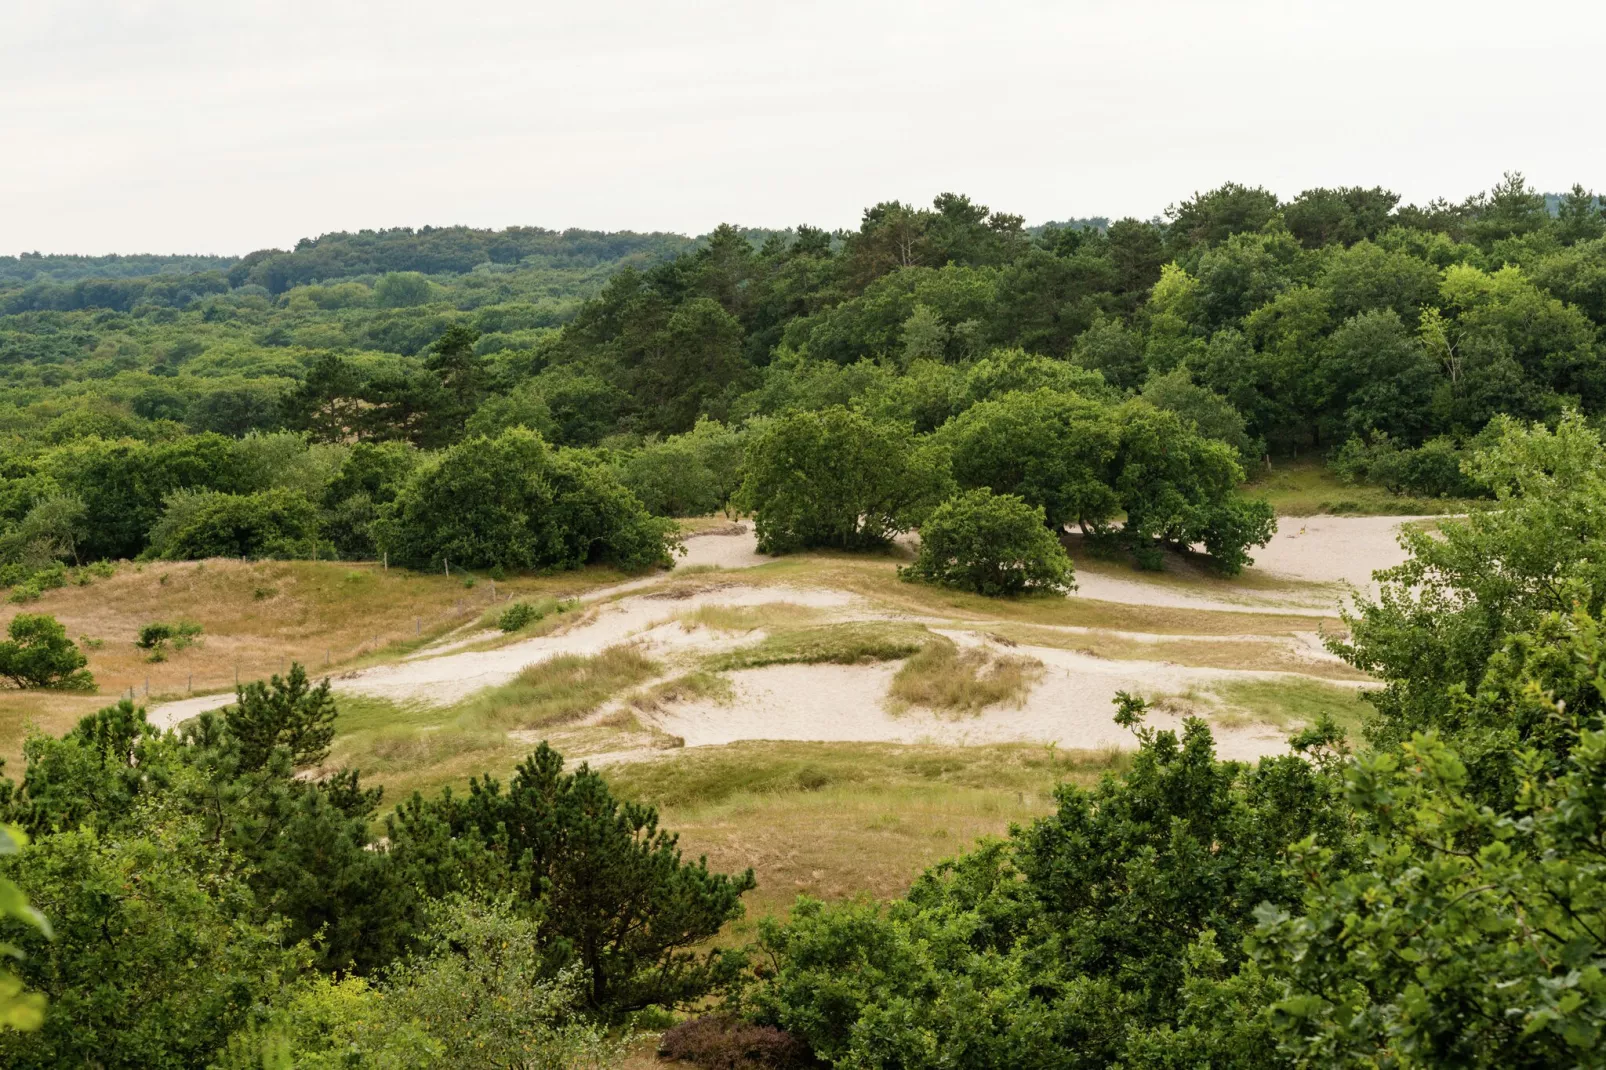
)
(156, 636)
(1432, 470)
(617, 900)
(512, 502)
(715, 1042)
(838, 479)
(993, 544)
(39, 654)
(270, 523)
(476, 994)
(519, 615)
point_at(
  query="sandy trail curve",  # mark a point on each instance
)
(453, 675)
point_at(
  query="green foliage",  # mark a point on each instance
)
(694, 474)
(157, 637)
(270, 523)
(1051, 449)
(616, 899)
(510, 501)
(1465, 934)
(155, 959)
(19, 1009)
(1065, 944)
(837, 479)
(477, 993)
(993, 544)
(519, 615)
(1086, 463)
(1433, 470)
(37, 653)
(1473, 583)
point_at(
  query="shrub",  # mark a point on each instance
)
(510, 501)
(618, 901)
(156, 637)
(715, 1042)
(39, 654)
(1432, 470)
(520, 615)
(838, 479)
(993, 544)
(270, 523)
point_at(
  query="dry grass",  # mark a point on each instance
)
(945, 678)
(837, 644)
(687, 688)
(1288, 703)
(410, 747)
(257, 617)
(1247, 652)
(748, 618)
(835, 820)
(556, 690)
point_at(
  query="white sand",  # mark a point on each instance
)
(1329, 549)
(1071, 707)
(453, 675)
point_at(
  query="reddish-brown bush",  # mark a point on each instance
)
(715, 1042)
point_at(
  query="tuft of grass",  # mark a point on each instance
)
(941, 676)
(688, 688)
(747, 618)
(1288, 703)
(837, 644)
(558, 689)
(1273, 654)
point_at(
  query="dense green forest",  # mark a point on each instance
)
(1430, 894)
(293, 403)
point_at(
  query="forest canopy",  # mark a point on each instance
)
(1122, 375)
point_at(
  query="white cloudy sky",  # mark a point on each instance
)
(210, 126)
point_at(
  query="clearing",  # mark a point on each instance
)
(811, 716)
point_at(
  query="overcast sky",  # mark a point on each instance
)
(212, 126)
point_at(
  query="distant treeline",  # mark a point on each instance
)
(1340, 322)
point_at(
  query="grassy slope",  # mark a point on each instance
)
(255, 618)
(834, 820)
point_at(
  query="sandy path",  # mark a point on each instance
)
(1329, 549)
(1071, 707)
(1322, 549)
(453, 675)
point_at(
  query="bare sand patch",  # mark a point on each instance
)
(453, 675)
(1328, 549)
(1070, 707)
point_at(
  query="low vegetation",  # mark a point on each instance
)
(159, 637)
(945, 677)
(837, 644)
(519, 616)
